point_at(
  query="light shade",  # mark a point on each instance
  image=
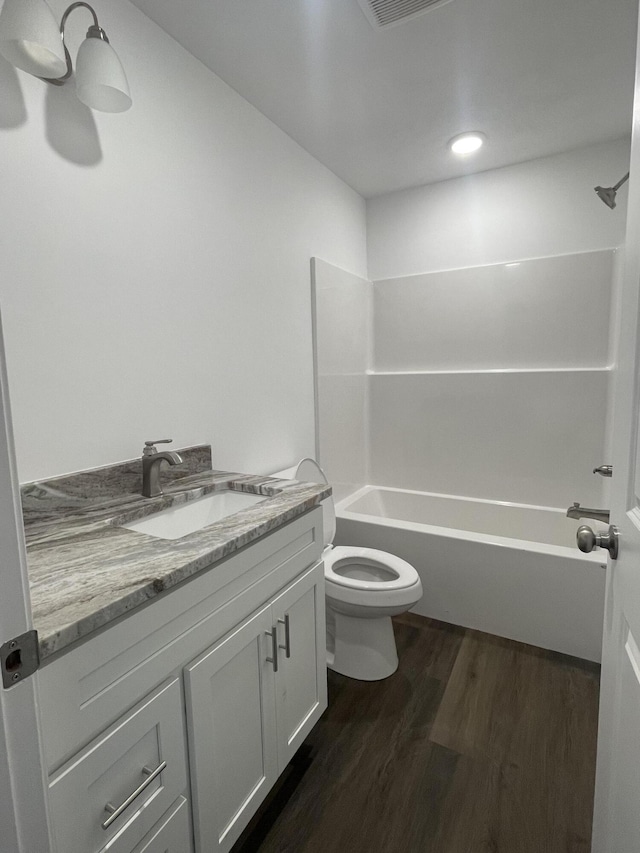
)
(467, 143)
(100, 79)
(30, 38)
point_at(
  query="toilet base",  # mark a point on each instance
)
(361, 648)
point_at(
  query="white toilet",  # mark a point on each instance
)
(364, 589)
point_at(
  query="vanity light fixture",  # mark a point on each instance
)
(31, 40)
(467, 143)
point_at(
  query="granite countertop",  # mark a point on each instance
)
(85, 570)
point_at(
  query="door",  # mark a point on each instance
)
(23, 805)
(231, 716)
(301, 680)
(617, 804)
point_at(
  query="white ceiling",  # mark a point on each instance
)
(378, 106)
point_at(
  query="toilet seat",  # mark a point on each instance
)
(405, 574)
(401, 592)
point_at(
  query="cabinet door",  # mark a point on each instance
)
(301, 680)
(230, 716)
(172, 834)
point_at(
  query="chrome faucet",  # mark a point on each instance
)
(151, 460)
(576, 511)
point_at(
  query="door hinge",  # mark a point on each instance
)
(19, 658)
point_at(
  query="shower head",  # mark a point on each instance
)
(608, 194)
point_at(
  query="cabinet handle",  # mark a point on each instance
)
(274, 647)
(116, 811)
(287, 635)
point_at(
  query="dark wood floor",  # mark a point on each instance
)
(475, 745)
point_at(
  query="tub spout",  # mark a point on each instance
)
(577, 511)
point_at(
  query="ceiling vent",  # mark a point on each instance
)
(389, 13)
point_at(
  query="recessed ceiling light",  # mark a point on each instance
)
(467, 143)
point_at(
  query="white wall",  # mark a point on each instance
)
(535, 209)
(155, 264)
(342, 324)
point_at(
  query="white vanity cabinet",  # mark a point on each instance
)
(251, 700)
(173, 723)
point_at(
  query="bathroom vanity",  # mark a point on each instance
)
(179, 677)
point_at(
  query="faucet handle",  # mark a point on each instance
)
(149, 448)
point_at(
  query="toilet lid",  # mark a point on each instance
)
(309, 471)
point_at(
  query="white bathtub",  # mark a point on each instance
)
(510, 569)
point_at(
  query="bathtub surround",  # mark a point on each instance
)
(85, 570)
(501, 373)
(342, 325)
(488, 382)
(201, 216)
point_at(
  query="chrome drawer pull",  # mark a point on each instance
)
(116, 811)
(274, 647)
(287, 636)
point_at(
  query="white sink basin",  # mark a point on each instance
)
(178, 521)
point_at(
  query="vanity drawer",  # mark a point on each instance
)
(120, 768)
